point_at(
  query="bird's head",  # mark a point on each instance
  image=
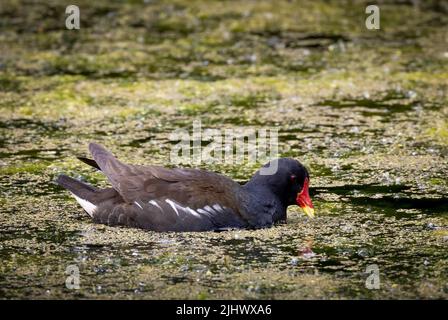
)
(289, 180)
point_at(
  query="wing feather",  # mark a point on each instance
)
(191, 189)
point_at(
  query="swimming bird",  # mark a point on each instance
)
(162, 199)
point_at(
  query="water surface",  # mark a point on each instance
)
(366, 111)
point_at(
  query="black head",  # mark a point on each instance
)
(288, 179)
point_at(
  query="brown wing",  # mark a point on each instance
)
(188, 187)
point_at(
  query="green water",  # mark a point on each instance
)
(366, 111)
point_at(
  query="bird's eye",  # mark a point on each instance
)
(292, 178)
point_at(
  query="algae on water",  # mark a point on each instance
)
(364, 110)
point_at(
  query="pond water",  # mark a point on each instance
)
(366, 111)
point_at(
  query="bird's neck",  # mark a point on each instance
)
(266, 201)
(268, 186)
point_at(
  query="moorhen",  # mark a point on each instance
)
(162, 199)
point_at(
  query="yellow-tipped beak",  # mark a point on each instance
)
(308, 211)
(303, 200)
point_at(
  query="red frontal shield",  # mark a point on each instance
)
(303, 199)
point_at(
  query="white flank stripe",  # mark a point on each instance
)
(154, 203)
(138, 205)
(192, 212)
(217, 207)
(201, 211)
(173, 205)
(209, 209)
(86, 205)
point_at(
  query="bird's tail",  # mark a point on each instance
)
(83, 193)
